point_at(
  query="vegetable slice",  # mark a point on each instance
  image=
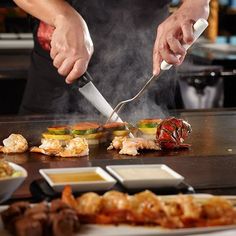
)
(57, 136)
(85, 128)
(149, 123)
(58, 130)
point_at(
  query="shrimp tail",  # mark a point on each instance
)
(68, 197)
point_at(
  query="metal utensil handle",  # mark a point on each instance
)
(198, 29)
(84, 79)
(122, 103)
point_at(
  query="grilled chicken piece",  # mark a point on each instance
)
(51, 144)
(49, 147)
(15, 143)
(130, 146)
(75, 147)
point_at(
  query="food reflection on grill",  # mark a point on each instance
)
(146, 208)
(57, 219)
(15, 143)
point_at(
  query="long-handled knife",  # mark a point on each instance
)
(91, 93)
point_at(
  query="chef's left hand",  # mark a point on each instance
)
(177, 30)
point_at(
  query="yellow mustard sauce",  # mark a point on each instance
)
(75, 177)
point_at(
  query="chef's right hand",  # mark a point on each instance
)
(177, 30)
(71, 46)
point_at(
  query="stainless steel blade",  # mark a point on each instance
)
(91, 93)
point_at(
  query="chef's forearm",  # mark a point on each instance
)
(48, 11)
(197, 7)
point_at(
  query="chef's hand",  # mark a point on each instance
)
(71, 46)
(177, 30)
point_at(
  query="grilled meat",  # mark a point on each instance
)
(15, 143)
(130, 146)
(57, 219)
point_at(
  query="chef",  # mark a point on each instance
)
(114, 40)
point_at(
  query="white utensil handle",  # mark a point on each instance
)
(198, 29)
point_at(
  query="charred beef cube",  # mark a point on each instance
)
(9, 215)
(23, 206)
(26, 226)
(42, 217)
(57, 205)
(41, 220)
(38, 208)
(12, 213)
(66, 222)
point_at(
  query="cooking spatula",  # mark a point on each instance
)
(198, 29)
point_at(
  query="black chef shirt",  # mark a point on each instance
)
(123, 33)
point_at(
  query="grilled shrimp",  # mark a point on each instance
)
(218, 211)
(146, 208)
(89, 204)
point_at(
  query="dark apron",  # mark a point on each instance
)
(123, 33)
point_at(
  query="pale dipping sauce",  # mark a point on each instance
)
(75, 177)
(144, 173)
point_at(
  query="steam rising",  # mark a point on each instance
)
(123, 33)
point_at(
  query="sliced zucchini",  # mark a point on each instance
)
(57, 136)
(83, 132)
(58, 130)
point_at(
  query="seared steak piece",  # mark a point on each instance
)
(12, 213)
(26, 226)
(57, 205)
(57, 219)
(66, 222)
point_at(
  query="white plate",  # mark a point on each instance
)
(125, 230)
(145, 176)
(9, 185)
(105, 184)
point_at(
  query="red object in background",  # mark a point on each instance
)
(44, 35)
(172, 132)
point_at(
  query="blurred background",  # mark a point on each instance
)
(207, 78)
